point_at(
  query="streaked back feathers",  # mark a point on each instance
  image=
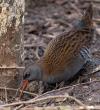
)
(66, 46)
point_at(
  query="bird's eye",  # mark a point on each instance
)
(26, 75)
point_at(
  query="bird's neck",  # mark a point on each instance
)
(40, 65)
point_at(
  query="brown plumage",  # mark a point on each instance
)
(65, 55)
(66, 46)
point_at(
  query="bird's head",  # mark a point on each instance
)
(31, 73)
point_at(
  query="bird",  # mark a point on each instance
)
(65, 55)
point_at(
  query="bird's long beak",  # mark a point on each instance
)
(23, 87)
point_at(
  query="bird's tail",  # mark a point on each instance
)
(87, 17)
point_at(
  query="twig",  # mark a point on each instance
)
(12, 67)
(67, 107)
(96, 20)
(97, 69)
(6, 95)
(42, 99)
(59, 96)
(19, 107)
(33, 94)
